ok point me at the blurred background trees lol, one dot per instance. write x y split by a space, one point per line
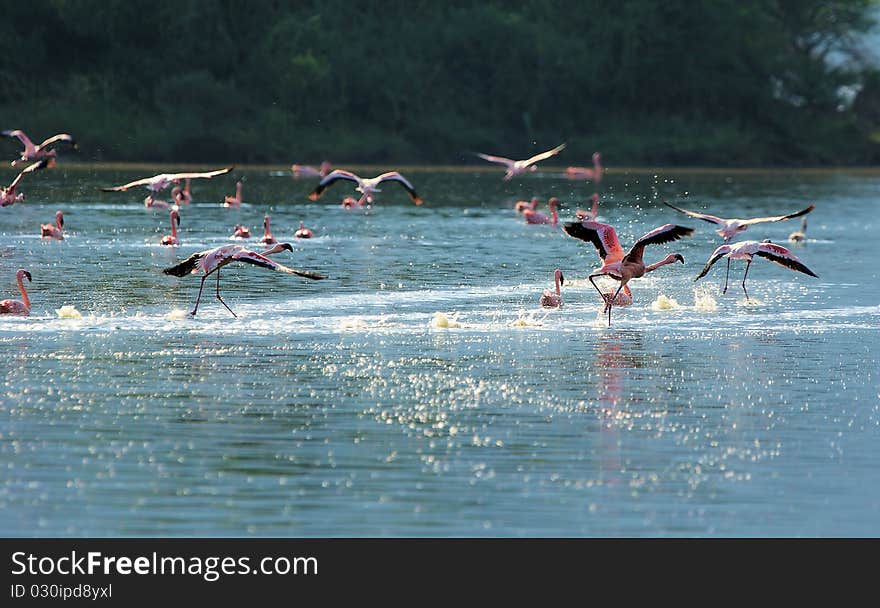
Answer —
697 82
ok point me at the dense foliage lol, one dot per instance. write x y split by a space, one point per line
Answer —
744 82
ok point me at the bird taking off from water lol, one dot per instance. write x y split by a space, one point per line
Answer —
622 267
212 260
518 167
8 195
730 227
746 250
35 152
367 186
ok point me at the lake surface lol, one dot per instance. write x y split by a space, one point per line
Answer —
421 390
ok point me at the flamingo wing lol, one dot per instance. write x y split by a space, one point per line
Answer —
778 218
40 164
138 182
187 266
202 175
331 178
29 146
66 137
782 256
394 176
663 234
544 155
496 159
602 236
252 257
719 253
700 216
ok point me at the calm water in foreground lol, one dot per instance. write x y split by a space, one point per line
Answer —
345 408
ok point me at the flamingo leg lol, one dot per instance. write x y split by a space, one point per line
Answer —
727 277
221 299
749 263
611 299
604 297
199 297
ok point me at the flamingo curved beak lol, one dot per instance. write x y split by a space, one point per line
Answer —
28 275
287 246
679 257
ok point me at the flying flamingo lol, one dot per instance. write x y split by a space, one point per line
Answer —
799 236
548 299
303 232
241 232
267 239
622 267
171 239
592 214
730 227
34 152
234 201
536 217
8 195
594 173
54 232
157 183
306 171
366 186
521 206
18 307
746 250
182 197
518 167
212 260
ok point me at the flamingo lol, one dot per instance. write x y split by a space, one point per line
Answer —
18 307
799 236
34 152
212 260
746 250
549 299
306 171
171 239
234 201
241 232
303 232
157 183
522 206
54 232
366 186
592 214
622 267
518 167
8 195
182 197
349 202
730 227
594 173
267 239
536 217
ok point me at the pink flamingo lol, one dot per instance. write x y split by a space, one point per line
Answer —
171 239
593 173
212 260
618 266
157 183
518 167
746 250
303 232
267 239
34 152
536 217
53 232
18 307
549 299
367 186
182 197
592 214
731 227
799 236
8 196
306 171
234 201
349 202
522 206
241 232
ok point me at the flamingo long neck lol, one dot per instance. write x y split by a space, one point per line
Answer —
58 222
669 259
186 187
24 296
554 217
238 190
266 228
595 210
558 290
173 228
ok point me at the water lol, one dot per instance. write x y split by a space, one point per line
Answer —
421 390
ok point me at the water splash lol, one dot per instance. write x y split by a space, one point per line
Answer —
177 314
664 303
704 300
68 312
442 321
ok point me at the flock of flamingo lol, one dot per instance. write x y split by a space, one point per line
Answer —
617 264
